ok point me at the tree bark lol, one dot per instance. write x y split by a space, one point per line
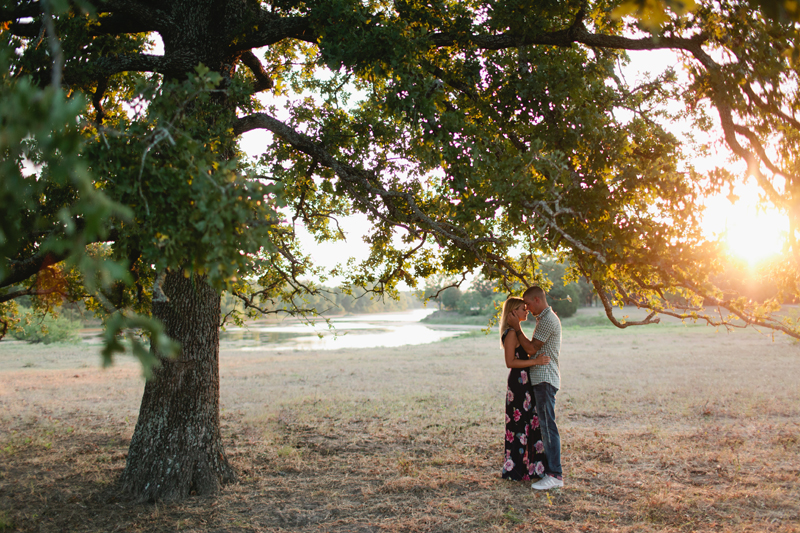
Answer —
176 449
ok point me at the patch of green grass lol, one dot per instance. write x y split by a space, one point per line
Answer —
286 451
512 516
474 333
454 318
6 524
587 321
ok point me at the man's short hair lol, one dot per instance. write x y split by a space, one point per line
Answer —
534 292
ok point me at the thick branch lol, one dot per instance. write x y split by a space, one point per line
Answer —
263 81
97 100
22 10
364 187
118 24
271 29
22 270
131 16
177 63
115 17
29 30
564 38
610 310
27 292
762 153
748 90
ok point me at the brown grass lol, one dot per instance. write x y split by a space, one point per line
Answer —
667 428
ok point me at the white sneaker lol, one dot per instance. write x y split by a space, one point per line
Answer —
547 483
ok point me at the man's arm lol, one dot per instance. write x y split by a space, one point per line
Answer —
530 346
509 347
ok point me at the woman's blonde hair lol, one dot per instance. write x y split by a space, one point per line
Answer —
509 306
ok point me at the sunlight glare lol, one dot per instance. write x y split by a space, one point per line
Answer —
750 232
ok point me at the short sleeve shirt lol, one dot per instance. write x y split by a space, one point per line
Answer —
548 330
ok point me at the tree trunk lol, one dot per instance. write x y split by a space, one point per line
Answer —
176 449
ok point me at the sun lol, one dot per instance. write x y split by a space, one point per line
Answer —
750 232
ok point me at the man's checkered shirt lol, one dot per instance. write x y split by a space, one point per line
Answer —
548 330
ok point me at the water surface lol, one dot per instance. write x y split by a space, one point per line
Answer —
352 331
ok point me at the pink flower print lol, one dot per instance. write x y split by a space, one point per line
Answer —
538 469
527 429
523 439
523 377
508 418
526 477
532 468
539 446
509 466
509 396
517 415
527 403
534 422
509 436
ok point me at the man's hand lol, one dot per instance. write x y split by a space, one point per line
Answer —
512 321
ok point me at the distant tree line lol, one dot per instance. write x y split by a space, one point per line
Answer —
334 301
483 297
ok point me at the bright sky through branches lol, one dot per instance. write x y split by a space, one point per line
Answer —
750 232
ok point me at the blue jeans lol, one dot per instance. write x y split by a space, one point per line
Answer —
545 395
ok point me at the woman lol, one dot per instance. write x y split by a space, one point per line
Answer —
524 448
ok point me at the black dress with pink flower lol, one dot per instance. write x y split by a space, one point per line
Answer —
524 448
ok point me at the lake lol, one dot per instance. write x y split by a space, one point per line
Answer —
352 331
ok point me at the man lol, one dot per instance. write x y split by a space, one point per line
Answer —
545 379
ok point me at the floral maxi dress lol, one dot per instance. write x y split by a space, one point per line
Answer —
524 447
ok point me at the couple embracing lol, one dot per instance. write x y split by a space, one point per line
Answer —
532 443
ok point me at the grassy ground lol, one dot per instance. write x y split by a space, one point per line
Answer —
665 428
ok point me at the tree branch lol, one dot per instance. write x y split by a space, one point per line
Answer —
577 33
28 292
29 30
762 153
22 10
718 96
365 188
22 270
132 16
263 81
748 90
97 100
270 29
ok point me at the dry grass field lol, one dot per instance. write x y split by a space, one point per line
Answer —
666 428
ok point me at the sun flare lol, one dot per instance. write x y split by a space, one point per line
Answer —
750 232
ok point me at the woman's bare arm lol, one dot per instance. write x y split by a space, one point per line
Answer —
509 347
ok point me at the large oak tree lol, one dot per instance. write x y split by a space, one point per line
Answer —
474 135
